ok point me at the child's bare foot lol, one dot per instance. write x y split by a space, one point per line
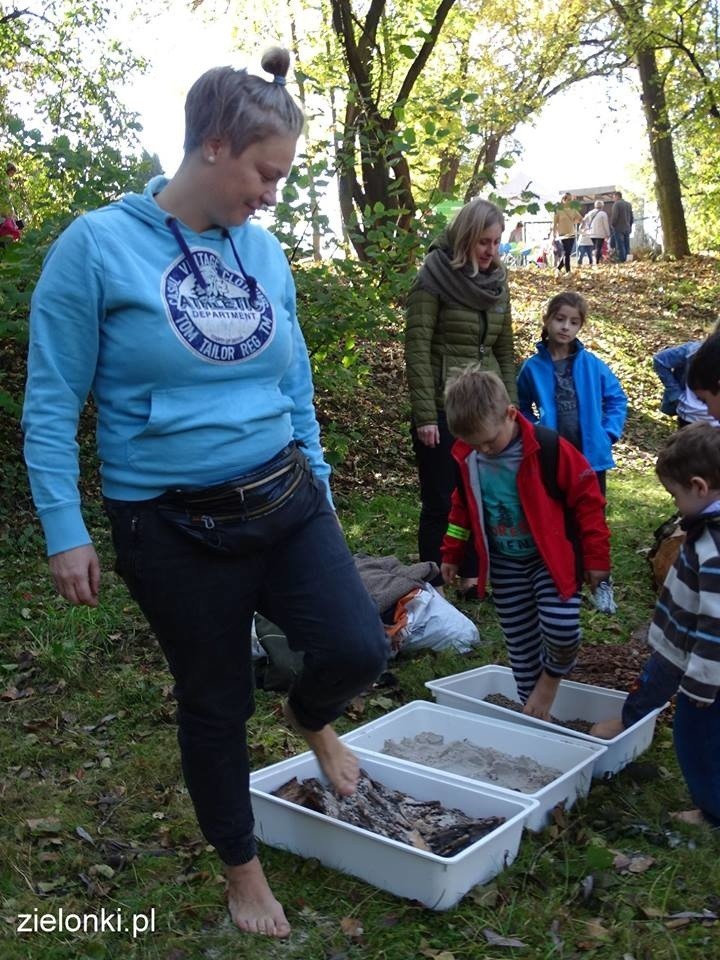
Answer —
252 906
541 699
607 729
339 764
695 817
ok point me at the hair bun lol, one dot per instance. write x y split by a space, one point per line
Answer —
276 61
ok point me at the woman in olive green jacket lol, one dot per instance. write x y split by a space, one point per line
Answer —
457 313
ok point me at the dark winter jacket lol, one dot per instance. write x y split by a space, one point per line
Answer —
441 338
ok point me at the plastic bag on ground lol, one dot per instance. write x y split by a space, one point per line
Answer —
433 623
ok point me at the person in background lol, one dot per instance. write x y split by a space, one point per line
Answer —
569 389
621 222
565 221
685 630
703 376
178 314
516 234
457 313
585 245
671 365
598 226
533 565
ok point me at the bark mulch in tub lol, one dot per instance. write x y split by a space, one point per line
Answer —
423 824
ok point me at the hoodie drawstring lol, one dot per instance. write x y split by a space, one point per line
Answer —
249 280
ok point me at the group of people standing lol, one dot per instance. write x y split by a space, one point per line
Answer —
178 314
512 483
593 232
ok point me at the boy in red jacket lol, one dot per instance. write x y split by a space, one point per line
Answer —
530 544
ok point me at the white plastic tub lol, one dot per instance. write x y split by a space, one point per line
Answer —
574 701
438 882
573 758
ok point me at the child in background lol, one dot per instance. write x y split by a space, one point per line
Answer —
519 531
704 374
570 390
585 244
685 631
671 365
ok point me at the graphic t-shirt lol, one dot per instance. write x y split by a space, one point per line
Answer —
568 425
505 522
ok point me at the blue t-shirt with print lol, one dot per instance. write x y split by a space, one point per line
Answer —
505 522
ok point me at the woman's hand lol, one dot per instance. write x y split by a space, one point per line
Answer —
429 435
76 574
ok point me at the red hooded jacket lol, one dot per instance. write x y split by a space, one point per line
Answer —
545 515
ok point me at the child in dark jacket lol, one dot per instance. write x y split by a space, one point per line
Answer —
685 630
520 532
569 389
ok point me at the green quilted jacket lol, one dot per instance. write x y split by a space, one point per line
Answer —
441 338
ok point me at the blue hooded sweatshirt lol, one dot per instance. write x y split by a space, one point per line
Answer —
189 344
601 401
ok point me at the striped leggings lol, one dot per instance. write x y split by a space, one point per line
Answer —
542 631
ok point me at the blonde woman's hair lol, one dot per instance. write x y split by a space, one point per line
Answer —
468 226
474 398
237 106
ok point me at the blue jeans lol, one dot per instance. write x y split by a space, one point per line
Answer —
585 250
199 596
622 245
696 731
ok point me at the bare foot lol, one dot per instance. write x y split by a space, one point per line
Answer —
541 699
607 729
252 906
339 764
694 817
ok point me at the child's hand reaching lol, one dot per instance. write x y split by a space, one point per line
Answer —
594 578
448 571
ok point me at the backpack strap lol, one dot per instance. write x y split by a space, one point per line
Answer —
549 457
549 446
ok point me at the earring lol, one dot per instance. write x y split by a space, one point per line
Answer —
211 159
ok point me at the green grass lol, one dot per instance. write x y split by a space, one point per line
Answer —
88 739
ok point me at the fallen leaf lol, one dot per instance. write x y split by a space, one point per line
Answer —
385 703
499 941
351 927
486 896
44 826
84 835
594 928
50 886
640 864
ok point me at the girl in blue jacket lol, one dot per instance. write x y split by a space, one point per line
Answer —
570 390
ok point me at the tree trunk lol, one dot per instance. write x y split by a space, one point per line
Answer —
667 181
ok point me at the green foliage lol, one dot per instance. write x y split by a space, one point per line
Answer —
69 135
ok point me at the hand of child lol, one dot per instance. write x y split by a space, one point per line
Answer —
594 578
448 571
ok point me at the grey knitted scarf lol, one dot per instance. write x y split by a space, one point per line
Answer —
458 286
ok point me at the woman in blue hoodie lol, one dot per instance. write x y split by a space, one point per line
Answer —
178 315
570 390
